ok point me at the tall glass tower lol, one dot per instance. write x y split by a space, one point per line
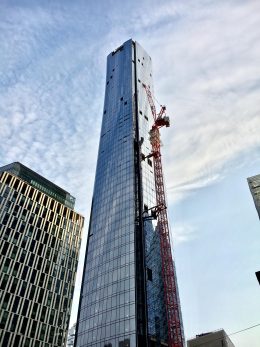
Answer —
122 301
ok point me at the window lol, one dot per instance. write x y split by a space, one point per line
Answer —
37 209
14 252
6 217
6 339
43 330
32 245
7 190
6 299
23 255
52 204
47 266
33 276
5 248
42 278
150 162
149 274
3 320
25 307
29 207
15 194
57 302
22 227
38 236
52 331
7 233
21 203
15 304
31 259
45 200
24 188
32 292
33 329
14 322
49 299
52 317
34 310
31 193
6 265
23 289
15 238
40 249
41 296
24 273
16 269
14 223
17 340
39 263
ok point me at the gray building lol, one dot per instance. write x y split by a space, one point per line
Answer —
40 236
254 186
217 338
122 300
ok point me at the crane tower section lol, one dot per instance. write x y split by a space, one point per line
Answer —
171 296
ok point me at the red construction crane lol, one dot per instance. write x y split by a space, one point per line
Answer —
173 309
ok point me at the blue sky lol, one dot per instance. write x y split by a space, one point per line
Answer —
206 70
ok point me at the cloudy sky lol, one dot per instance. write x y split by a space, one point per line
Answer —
206 58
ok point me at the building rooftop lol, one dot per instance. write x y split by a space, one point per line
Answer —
217 338
40 183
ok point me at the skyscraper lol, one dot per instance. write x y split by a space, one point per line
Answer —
123 296
39 245
254 186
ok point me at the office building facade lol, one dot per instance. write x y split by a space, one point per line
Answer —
122 296
217 338
254 186
40 236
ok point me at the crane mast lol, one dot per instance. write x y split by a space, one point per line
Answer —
173 309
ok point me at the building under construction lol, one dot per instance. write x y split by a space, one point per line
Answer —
129 295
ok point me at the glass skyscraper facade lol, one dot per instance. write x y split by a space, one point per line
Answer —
40 236
122 297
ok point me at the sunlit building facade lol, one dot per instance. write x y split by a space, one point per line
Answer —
71 336
40 236
254 186
218 338
122 300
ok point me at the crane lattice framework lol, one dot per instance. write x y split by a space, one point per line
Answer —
173 309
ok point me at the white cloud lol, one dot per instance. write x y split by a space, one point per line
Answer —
183 232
